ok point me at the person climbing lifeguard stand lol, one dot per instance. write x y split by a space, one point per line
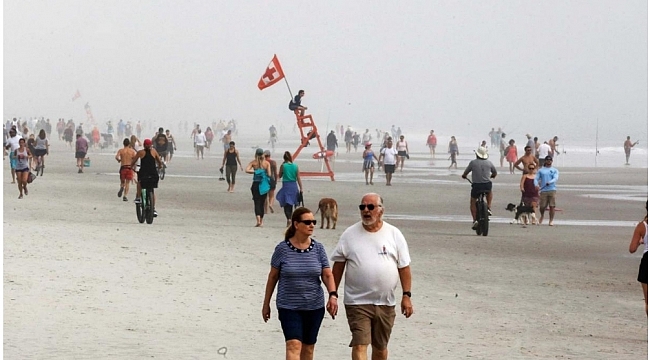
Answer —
309 131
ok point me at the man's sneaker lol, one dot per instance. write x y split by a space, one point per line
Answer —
475 225
137 201
155 213
119 193
489 212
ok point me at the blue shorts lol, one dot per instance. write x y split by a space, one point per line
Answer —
13 161
301 325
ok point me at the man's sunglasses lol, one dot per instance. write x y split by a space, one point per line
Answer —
308 222
370 207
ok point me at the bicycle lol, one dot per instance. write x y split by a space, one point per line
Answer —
144 209
482 214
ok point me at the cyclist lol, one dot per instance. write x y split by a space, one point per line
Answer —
161 143
41 148
148 174
482 171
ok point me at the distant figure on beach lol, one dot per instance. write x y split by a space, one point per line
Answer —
261 171
483 171
230 161
627 146
502 149
295 104
81 148
529 191
366 137
494 140
553 144
125 157
639 237
161 143
272 181
402 152
348 139
432 142
288 195
388 159
453 152
22 156
200 141
297 266
171 145
526 160
374 256
511 155
543 151
332 142
530 141
546 180
368 163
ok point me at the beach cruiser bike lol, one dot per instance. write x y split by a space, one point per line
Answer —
144 209
482 214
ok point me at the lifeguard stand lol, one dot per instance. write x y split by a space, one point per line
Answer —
309 131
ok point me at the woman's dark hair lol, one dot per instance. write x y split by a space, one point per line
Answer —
296 216
41 134
287 157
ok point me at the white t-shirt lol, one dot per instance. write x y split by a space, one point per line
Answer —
544 151
13 141
372 260
199 139
389 155
366 137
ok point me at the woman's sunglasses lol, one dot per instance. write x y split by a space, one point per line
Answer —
308 222
370 207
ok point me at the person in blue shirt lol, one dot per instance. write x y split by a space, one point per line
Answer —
545 181
295 104
299 267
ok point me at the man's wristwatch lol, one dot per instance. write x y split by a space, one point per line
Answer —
406 293
334 293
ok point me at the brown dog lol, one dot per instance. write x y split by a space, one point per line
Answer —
328 209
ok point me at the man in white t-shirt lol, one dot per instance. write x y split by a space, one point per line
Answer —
543 151
377 258
389 157
199 143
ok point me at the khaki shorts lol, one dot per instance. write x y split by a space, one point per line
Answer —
370 324
547 198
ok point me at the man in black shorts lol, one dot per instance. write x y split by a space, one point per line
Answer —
161 143
482 171
295 104
148 175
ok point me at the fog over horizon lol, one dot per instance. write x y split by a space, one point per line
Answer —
544 67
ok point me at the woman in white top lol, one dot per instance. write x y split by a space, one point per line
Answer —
402 148
200 141
639 237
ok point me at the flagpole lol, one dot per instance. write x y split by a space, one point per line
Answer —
285 80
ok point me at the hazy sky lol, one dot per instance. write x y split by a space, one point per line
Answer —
545 67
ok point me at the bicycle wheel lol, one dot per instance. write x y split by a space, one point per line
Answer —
484 222
161 173
148 207
139 210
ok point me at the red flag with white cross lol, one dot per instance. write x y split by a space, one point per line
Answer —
272 75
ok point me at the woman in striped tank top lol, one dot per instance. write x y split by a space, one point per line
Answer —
639 237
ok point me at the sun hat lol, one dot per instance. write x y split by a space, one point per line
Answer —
481 152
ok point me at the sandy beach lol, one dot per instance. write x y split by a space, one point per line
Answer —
84 280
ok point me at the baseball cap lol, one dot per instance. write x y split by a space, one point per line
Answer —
147 142
259 152
368 143
481 152
549 157
267 153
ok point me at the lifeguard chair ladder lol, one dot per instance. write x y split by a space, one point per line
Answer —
309 131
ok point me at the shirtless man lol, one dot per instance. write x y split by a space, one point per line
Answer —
553 145
527 159
125 157
627 146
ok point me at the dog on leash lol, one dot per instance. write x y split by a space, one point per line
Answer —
329 210
523 214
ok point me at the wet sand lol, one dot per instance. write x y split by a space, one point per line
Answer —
83 279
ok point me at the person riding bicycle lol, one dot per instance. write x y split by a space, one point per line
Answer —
161 143
148 175
482 171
